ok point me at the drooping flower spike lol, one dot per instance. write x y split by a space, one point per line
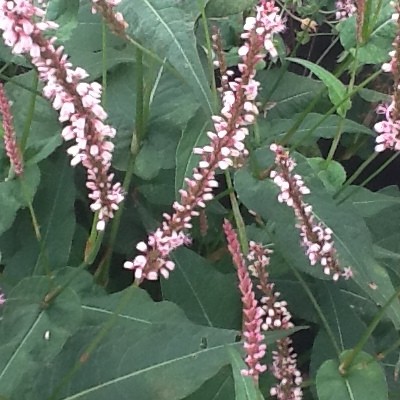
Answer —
77 102
10 139
388 129
226 147
316 238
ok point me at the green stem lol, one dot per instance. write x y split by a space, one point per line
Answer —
335 142
240 225
331 111
347 362
372 176
357 173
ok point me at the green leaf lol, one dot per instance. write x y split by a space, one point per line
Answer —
196 286
293 93
151 347
369 203
332 174
64 13
336 89
365 380
166 27
245 389
219 387
32 335
344 323
54 202
85 44
350 234
223 8
274 129
15 194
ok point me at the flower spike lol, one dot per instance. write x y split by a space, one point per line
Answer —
10 141
225 149
252 313
316 238
77 102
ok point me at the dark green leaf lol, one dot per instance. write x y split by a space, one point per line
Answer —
365 380
336 89
196 286
166 27
31 334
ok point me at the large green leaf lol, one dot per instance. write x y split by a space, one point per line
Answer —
196 286
336 89
350 234
31 334
166 28
365 380
150 346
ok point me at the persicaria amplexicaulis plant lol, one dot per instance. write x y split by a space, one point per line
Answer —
256 115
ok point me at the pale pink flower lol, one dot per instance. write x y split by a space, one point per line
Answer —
2 298
225 149
10 140
345 9
77 102
388 129
316 238
252 313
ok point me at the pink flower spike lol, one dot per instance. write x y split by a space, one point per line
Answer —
10 140
252 313
316 238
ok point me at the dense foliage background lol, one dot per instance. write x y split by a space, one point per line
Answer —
73 326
